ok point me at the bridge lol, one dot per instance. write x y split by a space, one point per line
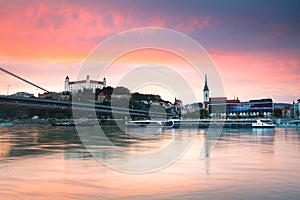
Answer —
68 105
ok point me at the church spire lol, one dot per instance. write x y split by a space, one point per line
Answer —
205 94
205 84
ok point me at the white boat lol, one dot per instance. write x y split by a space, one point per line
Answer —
6 124
146 123
262 124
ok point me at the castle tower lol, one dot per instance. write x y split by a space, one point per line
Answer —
205 94
104 82
67 83
87 82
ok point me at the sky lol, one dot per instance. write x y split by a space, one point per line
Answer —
255 44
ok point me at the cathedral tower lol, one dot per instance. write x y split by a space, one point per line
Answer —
205 94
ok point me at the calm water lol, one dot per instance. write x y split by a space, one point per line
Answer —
51 163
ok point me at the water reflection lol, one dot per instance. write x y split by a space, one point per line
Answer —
244 164
127 152
5 145
263 131
24 141
261 136
16 141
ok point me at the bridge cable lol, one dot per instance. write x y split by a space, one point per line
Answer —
22 79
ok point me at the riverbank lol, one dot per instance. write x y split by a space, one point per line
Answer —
280 122
59 122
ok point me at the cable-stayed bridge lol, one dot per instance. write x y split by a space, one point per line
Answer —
65 105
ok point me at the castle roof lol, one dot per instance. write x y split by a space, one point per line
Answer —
84 81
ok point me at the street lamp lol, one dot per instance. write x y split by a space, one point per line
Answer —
7 90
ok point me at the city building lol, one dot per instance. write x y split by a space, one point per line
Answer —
221 107
295 109
65 95
298 113
235 108
49 95
205 94
217 107
193 107
177 106
75 86
101 97
261 107
23 95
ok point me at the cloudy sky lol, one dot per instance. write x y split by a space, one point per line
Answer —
254 44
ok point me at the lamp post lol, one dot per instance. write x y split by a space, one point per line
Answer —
7 92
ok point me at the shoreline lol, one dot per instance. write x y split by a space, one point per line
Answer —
284 123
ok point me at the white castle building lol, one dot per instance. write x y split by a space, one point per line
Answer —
75 86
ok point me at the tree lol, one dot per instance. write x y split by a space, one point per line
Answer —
97 92
107 91
277 113
121 91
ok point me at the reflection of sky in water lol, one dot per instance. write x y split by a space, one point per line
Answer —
50 162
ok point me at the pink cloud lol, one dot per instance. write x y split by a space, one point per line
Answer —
45 28
41 32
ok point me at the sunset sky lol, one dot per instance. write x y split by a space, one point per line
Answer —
254 44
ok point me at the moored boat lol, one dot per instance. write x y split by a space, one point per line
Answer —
144 123
6 124
262 124
203 123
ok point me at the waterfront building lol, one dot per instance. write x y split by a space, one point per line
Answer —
217 107
205 94
177 102
261 107
101 97
235 108
193 107
221 106
75 86
49 95
295 109
65 95
178 107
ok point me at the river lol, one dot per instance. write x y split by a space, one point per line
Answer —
52 163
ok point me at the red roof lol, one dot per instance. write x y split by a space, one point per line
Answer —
74 82
233 101
98 82
218 99
178 101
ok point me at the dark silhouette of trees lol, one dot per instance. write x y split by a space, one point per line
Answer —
121 91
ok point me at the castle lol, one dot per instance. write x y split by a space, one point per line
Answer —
75 86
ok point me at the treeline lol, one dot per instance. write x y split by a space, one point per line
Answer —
107 94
